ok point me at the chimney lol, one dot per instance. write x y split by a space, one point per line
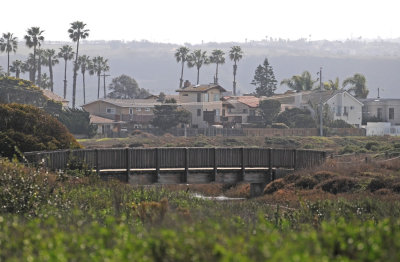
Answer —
186 84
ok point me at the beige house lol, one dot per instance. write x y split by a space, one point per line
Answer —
105 126
240 110
203 102
137 113
384 109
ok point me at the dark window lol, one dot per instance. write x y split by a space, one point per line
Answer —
391 113
198 97
244 111
345 112
198 112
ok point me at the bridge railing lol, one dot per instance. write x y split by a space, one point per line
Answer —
156 158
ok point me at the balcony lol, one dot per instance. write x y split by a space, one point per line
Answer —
254 119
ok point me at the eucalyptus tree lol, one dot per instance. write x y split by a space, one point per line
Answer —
235 54
50 60
303 82
34 38
84 63
358 85
196 59
181 55
66 53
76 32
8 43
96 68
17 67
217 57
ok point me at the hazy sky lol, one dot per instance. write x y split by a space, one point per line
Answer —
179 21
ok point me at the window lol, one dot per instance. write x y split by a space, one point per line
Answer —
217 112
147 109
110 110
198 97
352 107
338 111
345 112
131 111
216 97
252 112
138 109
206 98
198 112
245 111
379 113
391 113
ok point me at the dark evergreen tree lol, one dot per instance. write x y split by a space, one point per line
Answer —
269 110
264 80
167 116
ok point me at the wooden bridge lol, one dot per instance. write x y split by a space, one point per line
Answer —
184 165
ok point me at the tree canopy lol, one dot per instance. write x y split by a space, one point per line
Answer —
264 80
125 87
296 118
303 82
269 110
358 85
167 116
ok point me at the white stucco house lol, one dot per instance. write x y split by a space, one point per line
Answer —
345 107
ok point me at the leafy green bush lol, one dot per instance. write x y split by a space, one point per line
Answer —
371 144
28 128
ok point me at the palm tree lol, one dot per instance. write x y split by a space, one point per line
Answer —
358 85
67 54
29 64
96 68
50 60
33 39
41 58
217 57
105 68
45 81
330 85
77 32
197 58
8 43
181 55
235 54
303 82
17 67
85 63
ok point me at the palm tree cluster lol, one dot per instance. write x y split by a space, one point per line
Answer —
50 57
305 82
197 58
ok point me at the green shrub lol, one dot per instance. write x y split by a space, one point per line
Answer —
306 183
376 184
339 185
371 144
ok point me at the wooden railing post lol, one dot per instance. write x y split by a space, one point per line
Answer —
157 160
97 162
128 163
294 159
186 172
215 167
270 163
242 154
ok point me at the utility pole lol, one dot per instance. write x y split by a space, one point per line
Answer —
104 83
320 103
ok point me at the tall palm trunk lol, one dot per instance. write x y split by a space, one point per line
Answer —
8 63
181 80
216 75
234 78
98 85
84 89
51 74
65 79
39 78
198 74
32 72
104 84
75 75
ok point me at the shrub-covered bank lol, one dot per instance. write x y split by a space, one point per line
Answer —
76 217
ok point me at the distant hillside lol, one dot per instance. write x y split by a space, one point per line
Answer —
154 67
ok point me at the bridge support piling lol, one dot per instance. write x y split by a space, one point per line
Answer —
97 162
128 164
186 172
256 189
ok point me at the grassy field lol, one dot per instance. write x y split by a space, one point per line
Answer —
335 144
345 210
